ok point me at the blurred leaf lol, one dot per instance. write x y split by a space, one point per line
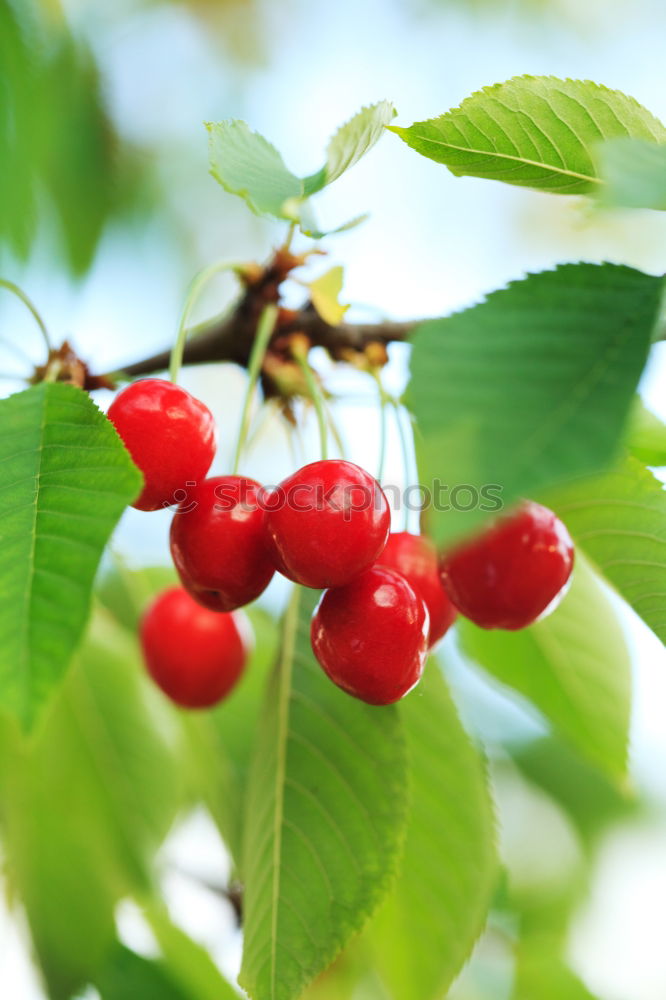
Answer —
619 519
530 387
574 666
246 164
541 974
350 143
430 923
326 810
219 742
634 173
84 806
587 795
189 966
325 294
68 478
646 435
533 131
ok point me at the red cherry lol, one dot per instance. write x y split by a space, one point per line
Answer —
194 655
170 435
218 543
371 636
327 523
415 558
514 573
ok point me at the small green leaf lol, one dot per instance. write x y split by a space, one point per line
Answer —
325 295
84 806
619 519
430 922
326 811
574 666
528 388
634 173
646 435
67 479
350 143
533 131
246 164
541 973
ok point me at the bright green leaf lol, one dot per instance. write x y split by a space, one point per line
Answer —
619 519
84 805
188 964
326 808
246 164
646 435
542 974
325 295
530 387
428 927
634 173
67 479
350 143
536 132
574 666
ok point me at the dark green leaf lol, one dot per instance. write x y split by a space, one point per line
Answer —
67 479
574 666
533 131
325 815
530 387
619 519
428 926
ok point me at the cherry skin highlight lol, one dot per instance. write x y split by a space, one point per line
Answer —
513 573
170 435
371 636
327 523
194 655
415 558
218 543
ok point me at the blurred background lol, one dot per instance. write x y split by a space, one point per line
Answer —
107 211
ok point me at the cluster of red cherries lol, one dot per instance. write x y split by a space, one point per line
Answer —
387 597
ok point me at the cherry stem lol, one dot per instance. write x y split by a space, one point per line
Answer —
317 397
194 290
406 456
384 400
335 431
20 294
265 328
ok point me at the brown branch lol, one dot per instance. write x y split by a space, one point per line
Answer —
230 339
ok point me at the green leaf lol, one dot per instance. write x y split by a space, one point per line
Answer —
325 814
246 164
67 479
428 927
543 974
536 132
84 805
127 974
530 387
188 965
619 519
574 666
350 143
646 435
634 173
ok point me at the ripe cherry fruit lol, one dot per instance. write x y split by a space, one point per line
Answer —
415 558
371 636
194 655
218 543
514 573
326 523
170 435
